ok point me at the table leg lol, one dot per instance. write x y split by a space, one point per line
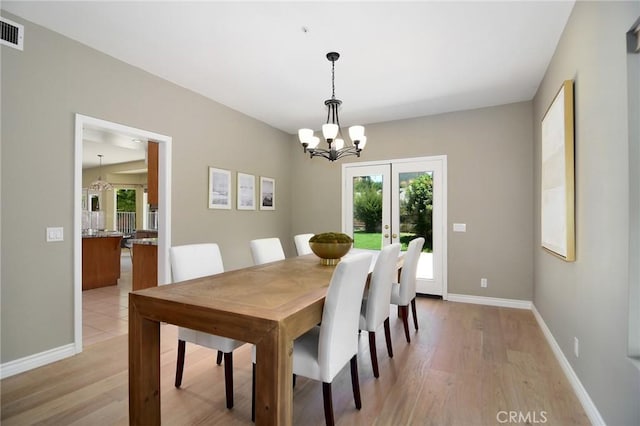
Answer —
274 369
144 369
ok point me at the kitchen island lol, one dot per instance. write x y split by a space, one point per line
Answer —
100 259
145 263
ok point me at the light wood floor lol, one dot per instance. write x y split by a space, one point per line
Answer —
105 310
466 364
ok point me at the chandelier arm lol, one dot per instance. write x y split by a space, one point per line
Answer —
321 153
347 152
333 155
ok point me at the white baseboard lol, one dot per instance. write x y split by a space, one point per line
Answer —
491 301
589 407
30 362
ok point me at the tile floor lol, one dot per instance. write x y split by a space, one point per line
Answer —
105 310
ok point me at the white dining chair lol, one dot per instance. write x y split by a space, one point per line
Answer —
302 244
376 303
404 293
322 352
195 261
265 250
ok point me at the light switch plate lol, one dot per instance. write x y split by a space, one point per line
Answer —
55 234
459 227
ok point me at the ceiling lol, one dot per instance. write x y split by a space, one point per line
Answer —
115 148
267 59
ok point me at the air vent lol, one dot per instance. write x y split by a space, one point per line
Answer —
12 33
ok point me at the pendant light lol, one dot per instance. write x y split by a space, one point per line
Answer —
331 131
100 185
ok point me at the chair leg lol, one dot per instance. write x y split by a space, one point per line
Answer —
387 336
219 358
228 378
413 311
355 382
180 363
328 404
404 314
253 393
374 356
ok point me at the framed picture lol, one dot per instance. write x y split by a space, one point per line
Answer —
219 189
557 176
246 192
267 193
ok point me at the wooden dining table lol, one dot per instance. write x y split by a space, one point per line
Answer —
268 305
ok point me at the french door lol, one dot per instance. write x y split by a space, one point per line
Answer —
395 202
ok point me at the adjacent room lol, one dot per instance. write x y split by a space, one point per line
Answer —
320 212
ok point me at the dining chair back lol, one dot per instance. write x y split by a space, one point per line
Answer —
302 244
322 352
195 261
265 250
376 304
338 339
404 293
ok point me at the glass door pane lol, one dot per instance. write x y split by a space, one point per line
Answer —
415 193
367 205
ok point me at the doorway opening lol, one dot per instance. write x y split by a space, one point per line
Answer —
84 125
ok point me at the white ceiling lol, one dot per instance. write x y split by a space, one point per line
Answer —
115 148
398 59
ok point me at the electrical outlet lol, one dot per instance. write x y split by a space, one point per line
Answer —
483 282
576 347
459 227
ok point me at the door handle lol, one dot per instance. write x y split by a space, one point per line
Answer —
386 235
386 227
394 235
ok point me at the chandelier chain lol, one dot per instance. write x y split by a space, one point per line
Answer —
333 79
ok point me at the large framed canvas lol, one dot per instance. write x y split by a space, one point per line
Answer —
219 189
246 191
267 193
557 176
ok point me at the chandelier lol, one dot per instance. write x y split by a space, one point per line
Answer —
331 130
100 185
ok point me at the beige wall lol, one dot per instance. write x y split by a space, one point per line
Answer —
43 88
490 177
588 299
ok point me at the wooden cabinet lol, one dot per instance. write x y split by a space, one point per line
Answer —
152 173
145 266
100 261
